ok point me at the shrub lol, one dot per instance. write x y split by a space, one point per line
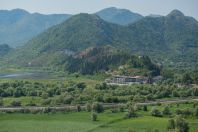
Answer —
114 110
178 124
166 111
131 112
88 107
145 108
93 116
121 109
68 99
46 102
26 111
185 112
35 111
45 95
156 112
178 111
46 110
1 102
31 104
97 107
196 113
171 124
181 125
78 108
15 103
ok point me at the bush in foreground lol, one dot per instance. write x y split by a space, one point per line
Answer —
93 116
97 107
178 124
156 112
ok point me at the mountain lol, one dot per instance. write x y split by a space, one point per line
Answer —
170 40
18 26
78 33
4 49
119 16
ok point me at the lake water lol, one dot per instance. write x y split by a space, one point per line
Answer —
27 75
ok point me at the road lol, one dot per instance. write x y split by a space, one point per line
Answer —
105 105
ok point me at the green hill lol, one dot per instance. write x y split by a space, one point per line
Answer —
107 58
171 39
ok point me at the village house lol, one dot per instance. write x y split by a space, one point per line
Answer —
126 80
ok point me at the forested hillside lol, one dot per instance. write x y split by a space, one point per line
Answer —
96 59
170 40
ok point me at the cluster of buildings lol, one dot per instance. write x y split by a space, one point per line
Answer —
129 80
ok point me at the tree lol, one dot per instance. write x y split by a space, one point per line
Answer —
16 103
1 102
131 112
166 111
196 113
78 108
45 95
97 107
76 75
81 86
46 110
178 124
181 125
195 92
186 79
88 107
93 116
171 124
145 108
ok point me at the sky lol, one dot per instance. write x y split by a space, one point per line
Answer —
144 7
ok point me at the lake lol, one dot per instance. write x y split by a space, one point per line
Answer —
27 75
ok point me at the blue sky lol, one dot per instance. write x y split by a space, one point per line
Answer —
144 7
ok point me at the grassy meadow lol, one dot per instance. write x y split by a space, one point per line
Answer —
81 122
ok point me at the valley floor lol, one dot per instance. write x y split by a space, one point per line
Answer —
80 122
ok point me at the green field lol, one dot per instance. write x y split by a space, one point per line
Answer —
81 122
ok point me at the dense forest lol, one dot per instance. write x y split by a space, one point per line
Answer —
96 59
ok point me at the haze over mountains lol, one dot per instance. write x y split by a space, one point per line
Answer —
119 16
18 26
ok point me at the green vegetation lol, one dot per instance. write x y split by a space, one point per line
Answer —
107 58
107 121
85 91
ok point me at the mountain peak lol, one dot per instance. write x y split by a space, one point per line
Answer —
175 13
115 10
83 17
118 16
21 11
